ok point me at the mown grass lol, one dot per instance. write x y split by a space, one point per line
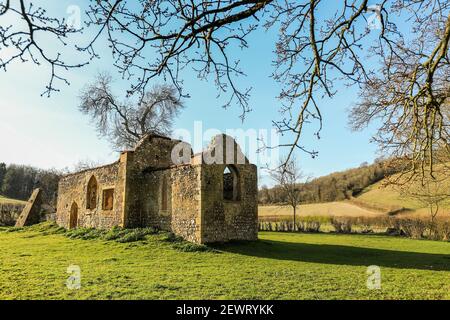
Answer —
34 261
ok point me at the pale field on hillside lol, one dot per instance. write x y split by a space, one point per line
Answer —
4 200
377 199
318 209
378 194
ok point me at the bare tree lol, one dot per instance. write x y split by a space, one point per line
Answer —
125 123
85 164
288 177
317 47
414 115
25 32
432 194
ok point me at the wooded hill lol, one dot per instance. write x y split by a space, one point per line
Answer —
336 186
19 181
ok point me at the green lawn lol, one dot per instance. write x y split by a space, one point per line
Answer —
33 265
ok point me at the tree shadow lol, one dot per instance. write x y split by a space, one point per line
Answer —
338 254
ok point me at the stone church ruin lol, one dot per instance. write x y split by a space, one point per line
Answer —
207 197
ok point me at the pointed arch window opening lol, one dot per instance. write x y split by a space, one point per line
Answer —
91 195
231 184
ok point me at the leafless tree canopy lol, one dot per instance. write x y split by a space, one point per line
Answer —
432 194
288 178
125 123
319 44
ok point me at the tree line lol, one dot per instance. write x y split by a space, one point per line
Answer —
19 181
333 187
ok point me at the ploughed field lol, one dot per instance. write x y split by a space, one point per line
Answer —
145 264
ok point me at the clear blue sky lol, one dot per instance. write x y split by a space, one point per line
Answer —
51 132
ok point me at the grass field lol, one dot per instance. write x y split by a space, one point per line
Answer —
342 208
33 265
4 200
389 197
376 199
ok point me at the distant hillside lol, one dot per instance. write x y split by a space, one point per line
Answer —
374 199
337 186
388 198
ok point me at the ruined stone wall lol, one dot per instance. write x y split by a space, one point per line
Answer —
224 220
73 189
186 202
153 152
149 199
151 190
144 180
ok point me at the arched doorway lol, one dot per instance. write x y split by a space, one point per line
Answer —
73 220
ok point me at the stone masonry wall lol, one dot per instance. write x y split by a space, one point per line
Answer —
73 189
144 171
186 204
224 220
151 197
151 190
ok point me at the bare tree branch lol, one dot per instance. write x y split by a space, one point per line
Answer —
125 123
317 47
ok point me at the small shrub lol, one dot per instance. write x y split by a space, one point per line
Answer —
185 246
367 224
12 229
170 237
46 228
133 235
413 228
313 226
299 226
85 233
443 230
342 224
178 243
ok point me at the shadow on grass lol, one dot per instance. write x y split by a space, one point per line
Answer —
338 254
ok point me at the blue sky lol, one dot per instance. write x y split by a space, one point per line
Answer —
52 133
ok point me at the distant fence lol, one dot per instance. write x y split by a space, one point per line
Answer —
9 213
412 227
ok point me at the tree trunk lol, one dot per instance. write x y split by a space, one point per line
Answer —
295 208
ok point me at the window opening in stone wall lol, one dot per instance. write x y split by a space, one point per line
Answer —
108 199
73 219
230 184
91 198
